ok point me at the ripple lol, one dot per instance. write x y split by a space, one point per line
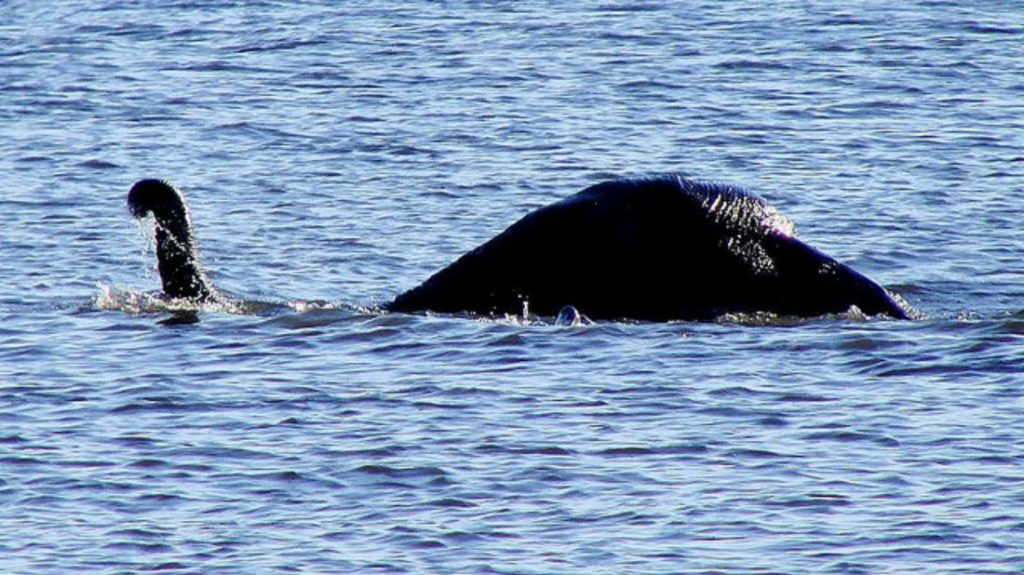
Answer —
844 436
745 64
449 502
95 164
402 472
138 547
342 154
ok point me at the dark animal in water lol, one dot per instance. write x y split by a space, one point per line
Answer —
177 258
658 249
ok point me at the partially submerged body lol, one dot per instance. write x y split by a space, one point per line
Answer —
655 249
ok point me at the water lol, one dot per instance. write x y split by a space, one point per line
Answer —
340 154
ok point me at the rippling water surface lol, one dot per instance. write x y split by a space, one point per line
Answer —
336 154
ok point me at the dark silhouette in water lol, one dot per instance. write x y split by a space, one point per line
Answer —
658 249
177 258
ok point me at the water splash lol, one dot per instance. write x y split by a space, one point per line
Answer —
137 302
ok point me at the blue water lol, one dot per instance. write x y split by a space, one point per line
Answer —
336 154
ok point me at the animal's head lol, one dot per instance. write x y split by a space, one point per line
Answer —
156 197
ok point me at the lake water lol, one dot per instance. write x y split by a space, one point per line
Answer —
339 153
